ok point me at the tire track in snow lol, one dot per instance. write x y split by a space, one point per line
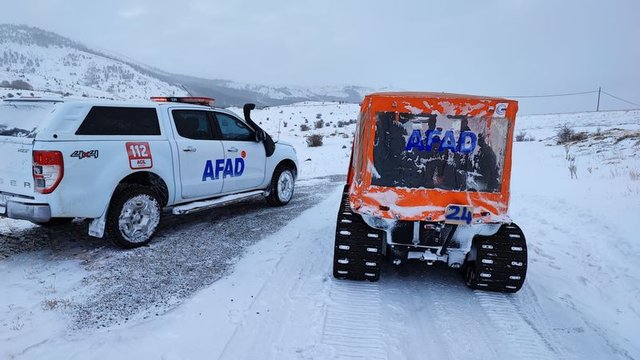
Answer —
352 323
455 325
523 340
438 315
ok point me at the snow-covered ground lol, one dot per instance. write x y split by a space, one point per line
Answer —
338 125
278 300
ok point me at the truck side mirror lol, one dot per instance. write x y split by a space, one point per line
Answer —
259 136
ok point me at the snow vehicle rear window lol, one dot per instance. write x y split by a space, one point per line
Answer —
436 151
111 120
22 118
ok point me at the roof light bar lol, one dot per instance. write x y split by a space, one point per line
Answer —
198 100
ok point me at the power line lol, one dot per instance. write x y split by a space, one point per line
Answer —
574 94
621 99
551 95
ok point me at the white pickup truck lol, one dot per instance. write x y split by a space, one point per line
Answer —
121 164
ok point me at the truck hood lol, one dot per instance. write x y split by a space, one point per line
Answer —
284 142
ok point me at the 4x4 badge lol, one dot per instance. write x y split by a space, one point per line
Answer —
85 154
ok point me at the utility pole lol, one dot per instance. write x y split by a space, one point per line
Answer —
599 91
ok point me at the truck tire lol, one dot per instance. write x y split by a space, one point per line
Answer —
134 215
282 187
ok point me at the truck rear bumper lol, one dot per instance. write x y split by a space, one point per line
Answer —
38 213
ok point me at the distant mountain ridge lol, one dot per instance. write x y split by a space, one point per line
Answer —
50 63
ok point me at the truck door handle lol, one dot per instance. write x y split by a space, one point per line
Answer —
190 149
232 149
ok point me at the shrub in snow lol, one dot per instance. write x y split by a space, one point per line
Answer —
314 140
566 135
304 127
318 116
16 84
284 124
522 136
626 136
345 123
580 136
319 124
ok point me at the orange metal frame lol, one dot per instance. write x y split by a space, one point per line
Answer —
424 204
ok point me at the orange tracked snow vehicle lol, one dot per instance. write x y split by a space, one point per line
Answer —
429 180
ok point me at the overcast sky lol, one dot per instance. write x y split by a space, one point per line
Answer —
490 47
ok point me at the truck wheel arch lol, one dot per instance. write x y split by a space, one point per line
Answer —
150 179
288 164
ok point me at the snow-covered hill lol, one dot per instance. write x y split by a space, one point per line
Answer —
255 283
33 59
44 63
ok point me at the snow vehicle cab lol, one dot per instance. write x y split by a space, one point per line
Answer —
429 180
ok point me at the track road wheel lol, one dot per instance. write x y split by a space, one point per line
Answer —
282 187
358 247
134 215
501 261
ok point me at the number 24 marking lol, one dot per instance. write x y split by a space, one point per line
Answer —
459 213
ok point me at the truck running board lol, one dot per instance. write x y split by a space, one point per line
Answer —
209 204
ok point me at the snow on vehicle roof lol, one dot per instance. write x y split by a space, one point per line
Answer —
437 95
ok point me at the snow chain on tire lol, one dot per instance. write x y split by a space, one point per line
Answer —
501 261
357 253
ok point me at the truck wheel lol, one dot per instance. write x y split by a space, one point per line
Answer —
281 188
134 215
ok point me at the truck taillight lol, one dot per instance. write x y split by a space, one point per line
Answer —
48 169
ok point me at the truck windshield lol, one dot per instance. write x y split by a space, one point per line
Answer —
22 118
436 151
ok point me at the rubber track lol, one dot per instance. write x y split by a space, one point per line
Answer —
358 247
501 261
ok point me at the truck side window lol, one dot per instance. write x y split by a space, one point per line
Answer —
193 124
233 129
113 120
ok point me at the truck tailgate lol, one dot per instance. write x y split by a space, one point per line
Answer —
20 120
16 173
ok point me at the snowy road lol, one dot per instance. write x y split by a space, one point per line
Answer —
100 285
279 300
